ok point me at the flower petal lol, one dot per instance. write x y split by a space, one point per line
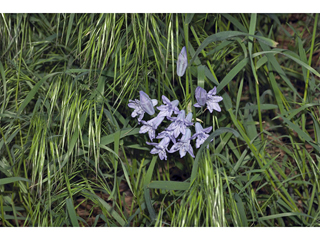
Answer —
164 142
201 96
162 155
198 127
213 91
186 136
154 102
146 103
144 129
151 134
165 99
175 103
134 114
182 152
207 130
190 151
175 147
157 121
132 104
176 132
152 143
216 98
154 151
198 143
189 117
213 106
162 108
140 117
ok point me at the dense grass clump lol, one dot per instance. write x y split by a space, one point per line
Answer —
71 154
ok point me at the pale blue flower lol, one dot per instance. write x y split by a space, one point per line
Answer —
135 104
182 62
167 133
201 134
144 105
160 148
210 99
180 123
168 108
151 126
183 145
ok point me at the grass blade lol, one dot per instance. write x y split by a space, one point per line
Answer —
12 179
72 213
169 185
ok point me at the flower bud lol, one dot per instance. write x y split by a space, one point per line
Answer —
182 62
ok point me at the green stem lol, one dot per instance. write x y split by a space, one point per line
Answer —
186 38
310 56
303 117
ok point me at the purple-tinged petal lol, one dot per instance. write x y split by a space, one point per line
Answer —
132 104
186 136
169 107
134 114
213 106
151 126
162 155
157 121
198 143
200 134
152 143
165 99
190 151
180 123
198 127
146 103
175 103
154 151
183 145
168 134
215 98
137 109
207 130
164 142
160 148
196 105
213 91
201 96
189 117
140 117
175 147
154 102
180 116
176 132
212 101
188 120
194 136
162 108
183 130
182 152
144 129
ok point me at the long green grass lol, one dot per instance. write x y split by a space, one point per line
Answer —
71 155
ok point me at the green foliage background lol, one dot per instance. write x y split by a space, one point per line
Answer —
71 155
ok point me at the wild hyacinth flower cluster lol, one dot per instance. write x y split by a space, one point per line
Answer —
180 124
178 132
